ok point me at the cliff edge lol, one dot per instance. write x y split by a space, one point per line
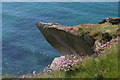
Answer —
80 39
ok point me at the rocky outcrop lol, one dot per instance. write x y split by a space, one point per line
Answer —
67 40
80 39
56 62
113 21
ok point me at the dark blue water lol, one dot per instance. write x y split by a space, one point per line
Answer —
24 47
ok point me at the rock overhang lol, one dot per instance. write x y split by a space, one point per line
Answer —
65 39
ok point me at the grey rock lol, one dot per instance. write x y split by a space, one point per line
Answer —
113 21
56 62
66 42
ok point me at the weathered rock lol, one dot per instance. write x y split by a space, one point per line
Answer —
67 40
118 31
105 37
113 21
79 39
56 62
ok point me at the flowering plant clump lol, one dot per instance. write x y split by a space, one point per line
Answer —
68 62
110 44
31 75
47 69
28 75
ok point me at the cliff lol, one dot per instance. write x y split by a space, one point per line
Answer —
80 39
66 40
100 41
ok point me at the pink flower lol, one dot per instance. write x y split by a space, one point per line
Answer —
65 70
59 68
108 42
70 28
76 61
68 66
70 61
34 72
23 76
68 69
102 51
73 64
74 57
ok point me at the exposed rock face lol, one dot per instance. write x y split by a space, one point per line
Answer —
56 60
67 40
105 37
118 32
79 39
113 21
84 39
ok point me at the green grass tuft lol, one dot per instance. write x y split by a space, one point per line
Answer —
103 66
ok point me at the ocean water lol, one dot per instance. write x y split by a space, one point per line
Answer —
24 48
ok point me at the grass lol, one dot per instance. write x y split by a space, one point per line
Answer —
101 27
103 66
97 29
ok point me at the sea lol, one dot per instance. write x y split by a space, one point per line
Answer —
24 48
